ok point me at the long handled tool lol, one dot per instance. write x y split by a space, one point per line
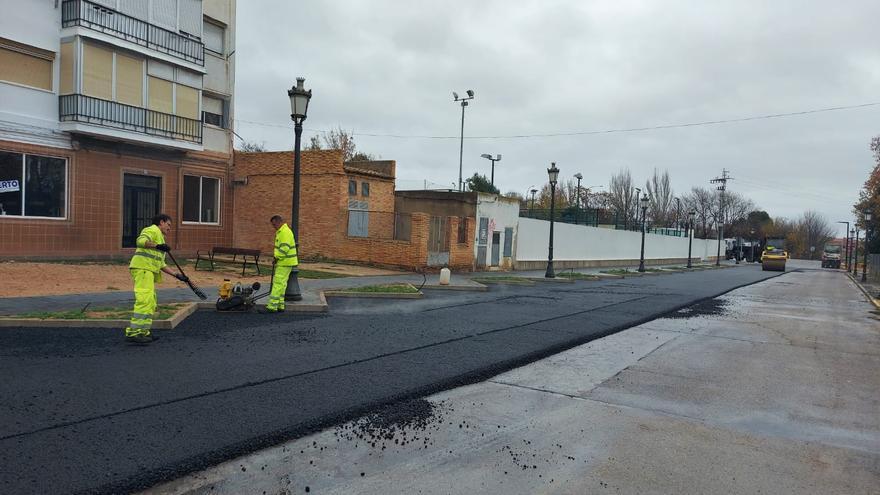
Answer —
199 292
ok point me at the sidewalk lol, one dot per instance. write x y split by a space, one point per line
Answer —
311 289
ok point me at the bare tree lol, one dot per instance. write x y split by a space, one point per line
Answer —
622 198
523 203
701 201
659 198
813 231
252 146
339 139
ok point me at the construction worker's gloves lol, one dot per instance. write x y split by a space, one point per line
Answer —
182 277
164 248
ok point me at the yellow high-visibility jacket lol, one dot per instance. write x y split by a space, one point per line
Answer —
285 247
145 258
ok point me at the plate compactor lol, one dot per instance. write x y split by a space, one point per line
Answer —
236 297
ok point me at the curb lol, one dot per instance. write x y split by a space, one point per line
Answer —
168 324
556 280
476 288
868 296
376 295
528 281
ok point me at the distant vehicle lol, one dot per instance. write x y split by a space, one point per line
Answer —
831 256
774 255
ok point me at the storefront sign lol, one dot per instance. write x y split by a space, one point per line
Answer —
9 186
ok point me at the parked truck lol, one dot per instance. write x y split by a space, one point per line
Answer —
831 256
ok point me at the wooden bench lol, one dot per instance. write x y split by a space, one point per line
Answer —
225 253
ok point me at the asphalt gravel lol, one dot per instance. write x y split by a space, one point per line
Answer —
84 413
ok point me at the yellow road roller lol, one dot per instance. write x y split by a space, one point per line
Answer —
774 255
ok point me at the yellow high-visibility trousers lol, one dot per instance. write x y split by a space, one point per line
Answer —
279 285
145 302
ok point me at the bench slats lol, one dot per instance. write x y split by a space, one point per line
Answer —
234 252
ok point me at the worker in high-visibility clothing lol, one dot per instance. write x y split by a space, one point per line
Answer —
285 260
146 267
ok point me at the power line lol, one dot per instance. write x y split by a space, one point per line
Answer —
594 132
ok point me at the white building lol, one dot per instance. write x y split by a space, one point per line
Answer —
112 111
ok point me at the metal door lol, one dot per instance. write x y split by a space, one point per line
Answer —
496 248
141 197
482 240
438 241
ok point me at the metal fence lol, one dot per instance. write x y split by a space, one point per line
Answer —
596 217
873 273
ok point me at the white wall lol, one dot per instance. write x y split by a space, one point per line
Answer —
502 213
582 243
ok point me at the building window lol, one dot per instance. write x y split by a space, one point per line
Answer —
33 185
462 230
67 69
365 189
25 65
201 199
352 188
212 111
101 68
213 37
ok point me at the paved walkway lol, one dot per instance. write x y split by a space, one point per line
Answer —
310 288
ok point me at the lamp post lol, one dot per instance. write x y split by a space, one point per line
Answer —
532 210
299 106
577 203
644 202
496 159
846 244
751 245
464 103
677 214
638 193
553 173
691 216
855 256
868 234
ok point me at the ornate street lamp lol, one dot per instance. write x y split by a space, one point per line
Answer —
644 202
497 158
299 106
868 234
553 173
464 103
692 215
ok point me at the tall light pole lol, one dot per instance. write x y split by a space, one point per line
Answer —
846 244
553 174
644 202
464 103
855 269
638 194
577 203
677 214
751 245
691 216
723 187
532 210
868 235
496 159
299 105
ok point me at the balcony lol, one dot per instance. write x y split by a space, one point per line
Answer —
88 110
102 19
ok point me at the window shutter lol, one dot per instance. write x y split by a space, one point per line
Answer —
139 9
164 13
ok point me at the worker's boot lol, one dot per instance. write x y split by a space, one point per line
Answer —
141 339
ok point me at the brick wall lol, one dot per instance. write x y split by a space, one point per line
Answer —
93 227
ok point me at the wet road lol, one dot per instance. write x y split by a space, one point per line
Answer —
767 389
82 412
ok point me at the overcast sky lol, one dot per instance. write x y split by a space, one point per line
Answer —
544 67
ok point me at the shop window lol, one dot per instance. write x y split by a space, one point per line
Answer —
33 185
201 199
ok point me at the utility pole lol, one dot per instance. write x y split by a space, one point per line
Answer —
722 181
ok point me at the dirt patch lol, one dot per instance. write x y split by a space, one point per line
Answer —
76 277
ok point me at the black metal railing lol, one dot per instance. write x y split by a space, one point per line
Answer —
595 217
99 18
82 108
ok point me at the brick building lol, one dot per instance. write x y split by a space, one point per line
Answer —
347 212
112 111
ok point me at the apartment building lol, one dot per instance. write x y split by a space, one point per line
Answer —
110 112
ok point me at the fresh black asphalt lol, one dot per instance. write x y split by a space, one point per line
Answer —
84 413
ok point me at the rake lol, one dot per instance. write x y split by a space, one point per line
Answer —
195 288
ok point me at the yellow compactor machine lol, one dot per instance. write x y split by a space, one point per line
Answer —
774 255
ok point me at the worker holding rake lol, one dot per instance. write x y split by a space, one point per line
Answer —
147 265
285 261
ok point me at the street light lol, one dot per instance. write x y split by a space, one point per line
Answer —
553 173
464 103
856 252
531 211
496 159
638 193
692 215
299 106
751 245
868 233
644 202
846 244
577 205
